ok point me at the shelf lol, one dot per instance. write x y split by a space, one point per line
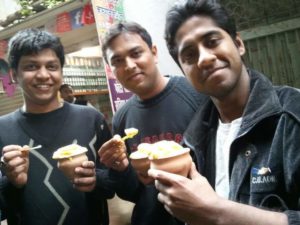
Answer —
98 92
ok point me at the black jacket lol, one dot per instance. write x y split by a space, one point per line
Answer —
268 138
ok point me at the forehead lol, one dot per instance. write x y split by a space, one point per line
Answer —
195 27
44 55
123 43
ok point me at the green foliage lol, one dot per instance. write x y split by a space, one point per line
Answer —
51 3
28 9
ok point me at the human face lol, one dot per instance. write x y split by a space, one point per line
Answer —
209 57
67 94
134 63
40 77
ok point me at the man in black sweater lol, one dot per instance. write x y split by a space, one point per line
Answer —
160 109
34 190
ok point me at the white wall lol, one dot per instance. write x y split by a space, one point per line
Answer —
151 15
8 7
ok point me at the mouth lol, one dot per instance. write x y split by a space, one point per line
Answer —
135 76
43 87
211 71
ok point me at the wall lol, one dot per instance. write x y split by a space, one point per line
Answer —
151 15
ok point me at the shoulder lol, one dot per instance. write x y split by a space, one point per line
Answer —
122 112
8 118
289 98
83 111
127 107
187 92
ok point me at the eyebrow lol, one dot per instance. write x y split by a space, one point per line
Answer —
188 43
115 56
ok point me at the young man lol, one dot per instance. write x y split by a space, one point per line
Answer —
161 108
67 93
35 191
245 138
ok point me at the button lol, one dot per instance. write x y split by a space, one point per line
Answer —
247 153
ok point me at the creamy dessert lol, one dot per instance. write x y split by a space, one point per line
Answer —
69 157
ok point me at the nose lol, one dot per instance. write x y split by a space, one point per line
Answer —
130 63
206 57
43 73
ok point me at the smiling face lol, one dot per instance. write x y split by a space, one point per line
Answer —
209 57
40 77
134 64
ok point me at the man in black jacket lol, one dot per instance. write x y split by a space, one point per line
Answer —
245 138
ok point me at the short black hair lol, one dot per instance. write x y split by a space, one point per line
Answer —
63 86
124 27
31 41
181 12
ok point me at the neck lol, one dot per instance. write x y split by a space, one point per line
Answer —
158 87
233 105
36 108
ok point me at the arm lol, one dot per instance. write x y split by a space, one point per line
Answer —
195 202
121 177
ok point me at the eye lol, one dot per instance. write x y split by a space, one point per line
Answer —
136 53
212 42
116 62
53 67
189 55
30 67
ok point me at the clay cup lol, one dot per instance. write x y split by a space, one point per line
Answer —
178 162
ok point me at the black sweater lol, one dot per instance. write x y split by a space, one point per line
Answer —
48 197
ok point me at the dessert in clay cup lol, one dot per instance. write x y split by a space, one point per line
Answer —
163 155
171 157
140 159
69 157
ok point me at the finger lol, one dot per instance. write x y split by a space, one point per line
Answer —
164 199
112 158
84 181
121 157
168 210
9 148
106 147
164 177
88 164
15 162
161 187
9 155
193 174
84 172
112 155
14 171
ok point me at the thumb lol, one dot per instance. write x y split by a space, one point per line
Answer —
193 174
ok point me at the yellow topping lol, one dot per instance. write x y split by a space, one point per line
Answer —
157 150
68 151
130 133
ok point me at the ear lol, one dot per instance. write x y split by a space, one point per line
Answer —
154 52
240 44
13 76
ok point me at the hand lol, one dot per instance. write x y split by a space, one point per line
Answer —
16 164
85 177
113 154
191 200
